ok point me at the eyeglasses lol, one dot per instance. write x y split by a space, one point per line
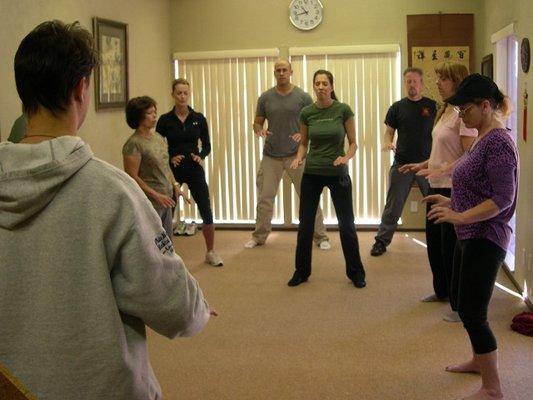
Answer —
462 111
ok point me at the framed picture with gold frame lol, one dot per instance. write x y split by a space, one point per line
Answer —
111 76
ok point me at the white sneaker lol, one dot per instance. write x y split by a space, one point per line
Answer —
452 317
251 244
324 245
179 230
191 229
213 258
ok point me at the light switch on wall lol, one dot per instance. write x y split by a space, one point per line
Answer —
414 206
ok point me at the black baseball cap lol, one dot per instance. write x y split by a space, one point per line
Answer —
474 87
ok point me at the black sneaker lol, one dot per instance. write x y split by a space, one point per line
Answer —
296 279
378 249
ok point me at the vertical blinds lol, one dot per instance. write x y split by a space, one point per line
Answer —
225 88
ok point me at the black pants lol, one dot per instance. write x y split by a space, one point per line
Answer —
440 239
194 177
476 265
341 194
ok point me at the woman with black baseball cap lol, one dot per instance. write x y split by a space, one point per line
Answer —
483 200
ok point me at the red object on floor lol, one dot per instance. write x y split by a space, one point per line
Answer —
523 323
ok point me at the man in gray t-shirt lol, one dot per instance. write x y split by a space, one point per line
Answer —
281 106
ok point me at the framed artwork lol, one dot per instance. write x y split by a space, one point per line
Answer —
427 58
111 77
486 66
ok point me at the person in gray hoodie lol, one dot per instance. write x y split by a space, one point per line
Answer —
85 262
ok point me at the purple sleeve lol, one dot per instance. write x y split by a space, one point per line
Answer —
501 168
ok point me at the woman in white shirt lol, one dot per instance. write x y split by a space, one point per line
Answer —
451 139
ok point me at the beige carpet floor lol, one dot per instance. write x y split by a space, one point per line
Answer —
325 339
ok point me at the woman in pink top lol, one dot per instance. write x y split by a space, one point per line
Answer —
451 138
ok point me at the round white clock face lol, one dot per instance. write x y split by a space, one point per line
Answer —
305 14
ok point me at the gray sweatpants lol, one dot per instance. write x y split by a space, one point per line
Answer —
399 187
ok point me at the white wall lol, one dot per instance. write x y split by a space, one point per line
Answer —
497 14
240 24
150 68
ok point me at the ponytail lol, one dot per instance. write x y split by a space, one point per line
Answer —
503 105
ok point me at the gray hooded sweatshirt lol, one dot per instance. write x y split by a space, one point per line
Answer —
84 265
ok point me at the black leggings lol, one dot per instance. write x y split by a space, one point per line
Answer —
440 239
476 264
340 188
199 191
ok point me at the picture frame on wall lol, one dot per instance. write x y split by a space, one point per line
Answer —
111 76
487 66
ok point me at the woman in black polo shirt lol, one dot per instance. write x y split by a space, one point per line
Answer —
183 127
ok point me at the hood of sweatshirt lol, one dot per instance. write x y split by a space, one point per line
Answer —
32 174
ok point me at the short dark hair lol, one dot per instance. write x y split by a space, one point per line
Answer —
136 108
49 63
415 70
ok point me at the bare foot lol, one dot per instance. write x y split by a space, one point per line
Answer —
471 366
484 394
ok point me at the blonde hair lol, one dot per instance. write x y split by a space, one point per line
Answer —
456 73
505 107
179 81
500 103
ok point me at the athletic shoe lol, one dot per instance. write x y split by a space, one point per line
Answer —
179 230
359 283
452 317
251 244
296 279
191 229
378 249
324 245
432 298
214 259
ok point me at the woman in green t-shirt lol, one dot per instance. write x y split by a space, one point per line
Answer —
323 128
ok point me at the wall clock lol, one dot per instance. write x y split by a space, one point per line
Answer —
524 54
306 14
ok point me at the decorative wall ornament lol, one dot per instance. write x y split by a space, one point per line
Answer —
524 55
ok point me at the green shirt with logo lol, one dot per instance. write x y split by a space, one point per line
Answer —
326 133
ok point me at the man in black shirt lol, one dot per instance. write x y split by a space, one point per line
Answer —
413 118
